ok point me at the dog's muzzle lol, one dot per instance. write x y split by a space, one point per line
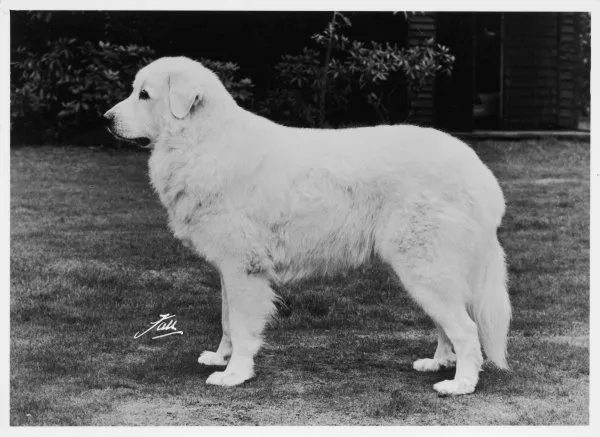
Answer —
109 123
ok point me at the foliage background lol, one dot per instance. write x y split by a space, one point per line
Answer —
68 67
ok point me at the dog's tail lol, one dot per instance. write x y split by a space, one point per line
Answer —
491 306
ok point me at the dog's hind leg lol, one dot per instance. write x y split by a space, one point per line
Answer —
443 356
221 356
442 298
432 257
250 304
443 303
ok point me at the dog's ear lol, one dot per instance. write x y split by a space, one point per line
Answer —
184 94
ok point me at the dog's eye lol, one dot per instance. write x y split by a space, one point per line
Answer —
144 95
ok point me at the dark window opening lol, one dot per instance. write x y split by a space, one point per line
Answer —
487 90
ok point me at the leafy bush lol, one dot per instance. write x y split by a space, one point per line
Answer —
240 89
296 95
308 88
71 84
67 88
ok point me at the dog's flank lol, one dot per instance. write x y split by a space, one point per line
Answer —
266 203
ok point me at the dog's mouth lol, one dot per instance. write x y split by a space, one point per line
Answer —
139 141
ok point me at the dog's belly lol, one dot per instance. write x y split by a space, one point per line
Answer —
301 255
324 238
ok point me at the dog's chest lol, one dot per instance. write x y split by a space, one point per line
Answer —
179 186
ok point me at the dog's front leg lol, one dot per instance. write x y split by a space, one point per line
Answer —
250 303
221 356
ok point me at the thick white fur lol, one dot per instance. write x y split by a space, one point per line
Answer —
266 203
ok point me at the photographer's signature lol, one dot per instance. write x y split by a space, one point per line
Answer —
166 322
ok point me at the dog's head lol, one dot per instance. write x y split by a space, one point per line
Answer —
168 92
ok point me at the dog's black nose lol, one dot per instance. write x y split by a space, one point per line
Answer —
108 119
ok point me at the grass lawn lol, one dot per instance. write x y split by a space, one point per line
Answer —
92 263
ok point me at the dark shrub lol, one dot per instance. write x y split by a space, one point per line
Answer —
62 92
240 89
338 71
67 88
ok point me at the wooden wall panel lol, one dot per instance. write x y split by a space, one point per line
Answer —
540 55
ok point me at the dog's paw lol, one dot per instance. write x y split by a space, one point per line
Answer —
212 359
426 365
454 387
227 379
434 364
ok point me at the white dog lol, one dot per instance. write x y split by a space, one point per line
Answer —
266 203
